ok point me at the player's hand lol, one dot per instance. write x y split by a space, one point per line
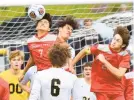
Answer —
101 58
72 70
21 77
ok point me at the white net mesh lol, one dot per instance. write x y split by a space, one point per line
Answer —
16 27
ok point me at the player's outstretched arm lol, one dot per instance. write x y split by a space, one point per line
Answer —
117 72
81 54
30 63
23 83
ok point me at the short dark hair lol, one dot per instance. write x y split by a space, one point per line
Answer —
86 20
124 33
58 54
68 20
47 16
87 64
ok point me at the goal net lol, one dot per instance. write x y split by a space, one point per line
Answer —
16 27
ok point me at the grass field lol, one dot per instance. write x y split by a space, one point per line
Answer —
79 11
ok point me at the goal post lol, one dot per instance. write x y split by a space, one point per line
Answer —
59 2
16 27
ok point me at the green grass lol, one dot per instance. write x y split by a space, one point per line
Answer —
79 11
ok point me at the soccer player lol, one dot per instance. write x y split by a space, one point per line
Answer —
109 66
65 28
54 83
4 90
39 44
11 75
81 89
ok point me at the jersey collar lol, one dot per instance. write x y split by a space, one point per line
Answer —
36 35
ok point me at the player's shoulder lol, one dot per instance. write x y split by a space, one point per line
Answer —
71 48
31 39
129 75
70 75
5 72
80 81
50 37
33 68
103 47
124 53
43 73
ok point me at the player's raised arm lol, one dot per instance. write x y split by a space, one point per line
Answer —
81 54
23 83
117 72
30 63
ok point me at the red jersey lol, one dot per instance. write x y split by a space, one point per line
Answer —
128 85
39 50
102 79
4 90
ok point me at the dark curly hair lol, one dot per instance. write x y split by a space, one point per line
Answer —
59 54
47 16
70 20
124 33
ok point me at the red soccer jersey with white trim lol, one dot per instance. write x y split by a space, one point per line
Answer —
102 79
39 50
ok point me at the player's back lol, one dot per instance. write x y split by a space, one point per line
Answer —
55 84
81 90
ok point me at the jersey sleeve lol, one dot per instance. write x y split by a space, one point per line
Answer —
35 92
6 93
94 49
26 78
125 63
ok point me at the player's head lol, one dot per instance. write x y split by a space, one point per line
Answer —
87 70
66 26
16 59
87 23
120 39
59 55
45 23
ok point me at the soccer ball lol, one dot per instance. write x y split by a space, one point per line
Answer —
36 12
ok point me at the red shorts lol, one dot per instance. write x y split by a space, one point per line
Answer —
109 96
